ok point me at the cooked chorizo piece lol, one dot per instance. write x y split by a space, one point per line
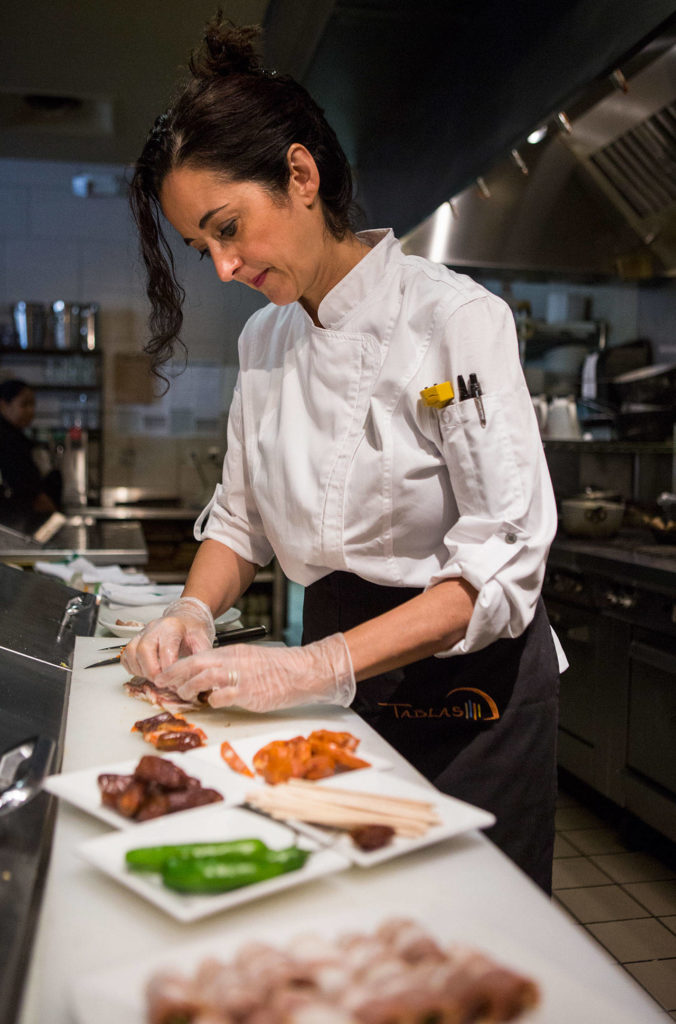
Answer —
112 786
157 769
156 722
186 739
128 802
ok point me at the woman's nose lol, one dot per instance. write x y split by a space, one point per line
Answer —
226 265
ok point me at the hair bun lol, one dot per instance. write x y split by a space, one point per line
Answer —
226 49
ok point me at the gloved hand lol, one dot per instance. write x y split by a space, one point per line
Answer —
260 678
186 626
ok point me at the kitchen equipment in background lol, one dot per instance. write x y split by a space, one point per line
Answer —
89 315
60 325
600 368
30 323
23 770
566 307
639 421
73 325
541 408
663 525
562 421
562 366
64 324
591 517
653 385
647 402
75 468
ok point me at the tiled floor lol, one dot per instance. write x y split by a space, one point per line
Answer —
617 880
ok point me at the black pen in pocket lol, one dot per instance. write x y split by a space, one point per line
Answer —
475 392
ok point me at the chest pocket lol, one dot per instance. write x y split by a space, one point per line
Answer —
483 462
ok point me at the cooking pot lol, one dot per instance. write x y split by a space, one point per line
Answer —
591 517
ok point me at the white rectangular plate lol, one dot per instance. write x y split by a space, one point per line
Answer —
247 746
208 824
455 816
81 789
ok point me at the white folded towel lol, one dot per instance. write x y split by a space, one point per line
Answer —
161 593
91 573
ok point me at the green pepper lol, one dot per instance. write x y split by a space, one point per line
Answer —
219 874
152 858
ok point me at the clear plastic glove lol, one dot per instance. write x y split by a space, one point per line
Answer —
259 678
185 627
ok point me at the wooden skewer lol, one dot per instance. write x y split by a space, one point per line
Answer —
347 797
351 794
321 807
347 821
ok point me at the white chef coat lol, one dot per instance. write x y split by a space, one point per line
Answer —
334 462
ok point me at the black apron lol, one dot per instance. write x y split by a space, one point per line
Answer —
481 727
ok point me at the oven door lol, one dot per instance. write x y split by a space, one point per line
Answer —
651 737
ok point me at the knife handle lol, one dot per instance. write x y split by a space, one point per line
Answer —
239 636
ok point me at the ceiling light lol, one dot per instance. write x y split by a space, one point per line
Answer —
538 135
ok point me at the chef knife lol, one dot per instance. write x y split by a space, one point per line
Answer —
223 637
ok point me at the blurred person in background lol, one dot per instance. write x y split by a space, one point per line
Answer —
26 489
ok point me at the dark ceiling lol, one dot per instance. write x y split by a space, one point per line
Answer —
424 94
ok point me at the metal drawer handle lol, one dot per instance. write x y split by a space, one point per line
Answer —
22 771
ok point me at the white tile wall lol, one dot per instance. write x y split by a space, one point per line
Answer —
54 245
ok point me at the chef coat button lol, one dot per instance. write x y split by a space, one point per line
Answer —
510 538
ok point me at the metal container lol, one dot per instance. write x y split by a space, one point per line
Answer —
73 325
30 322
64 325
89 326
588 517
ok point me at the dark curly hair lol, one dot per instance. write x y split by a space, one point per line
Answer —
238 119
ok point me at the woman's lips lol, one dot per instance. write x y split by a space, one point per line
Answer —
258 281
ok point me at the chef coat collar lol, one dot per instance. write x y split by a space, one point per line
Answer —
360 282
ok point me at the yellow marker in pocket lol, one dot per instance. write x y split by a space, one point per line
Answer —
439 395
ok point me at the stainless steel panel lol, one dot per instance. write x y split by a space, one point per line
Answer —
103 543
40 618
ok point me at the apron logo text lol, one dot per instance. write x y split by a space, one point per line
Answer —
472 706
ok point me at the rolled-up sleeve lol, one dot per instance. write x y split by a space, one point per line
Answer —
232 516
499 477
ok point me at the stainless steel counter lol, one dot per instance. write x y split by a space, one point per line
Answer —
142 512
39 620
102 542
633 556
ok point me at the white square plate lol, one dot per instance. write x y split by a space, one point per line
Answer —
81 787
455 816
247 746
208 824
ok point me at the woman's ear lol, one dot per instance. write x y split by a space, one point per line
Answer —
303 173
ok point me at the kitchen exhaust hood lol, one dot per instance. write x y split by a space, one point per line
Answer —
597 196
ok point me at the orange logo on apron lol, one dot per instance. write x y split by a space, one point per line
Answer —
480 707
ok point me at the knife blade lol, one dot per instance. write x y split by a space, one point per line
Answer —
223 637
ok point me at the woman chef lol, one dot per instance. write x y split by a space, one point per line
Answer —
420 531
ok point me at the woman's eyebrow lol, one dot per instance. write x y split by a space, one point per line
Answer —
207 216
210 214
